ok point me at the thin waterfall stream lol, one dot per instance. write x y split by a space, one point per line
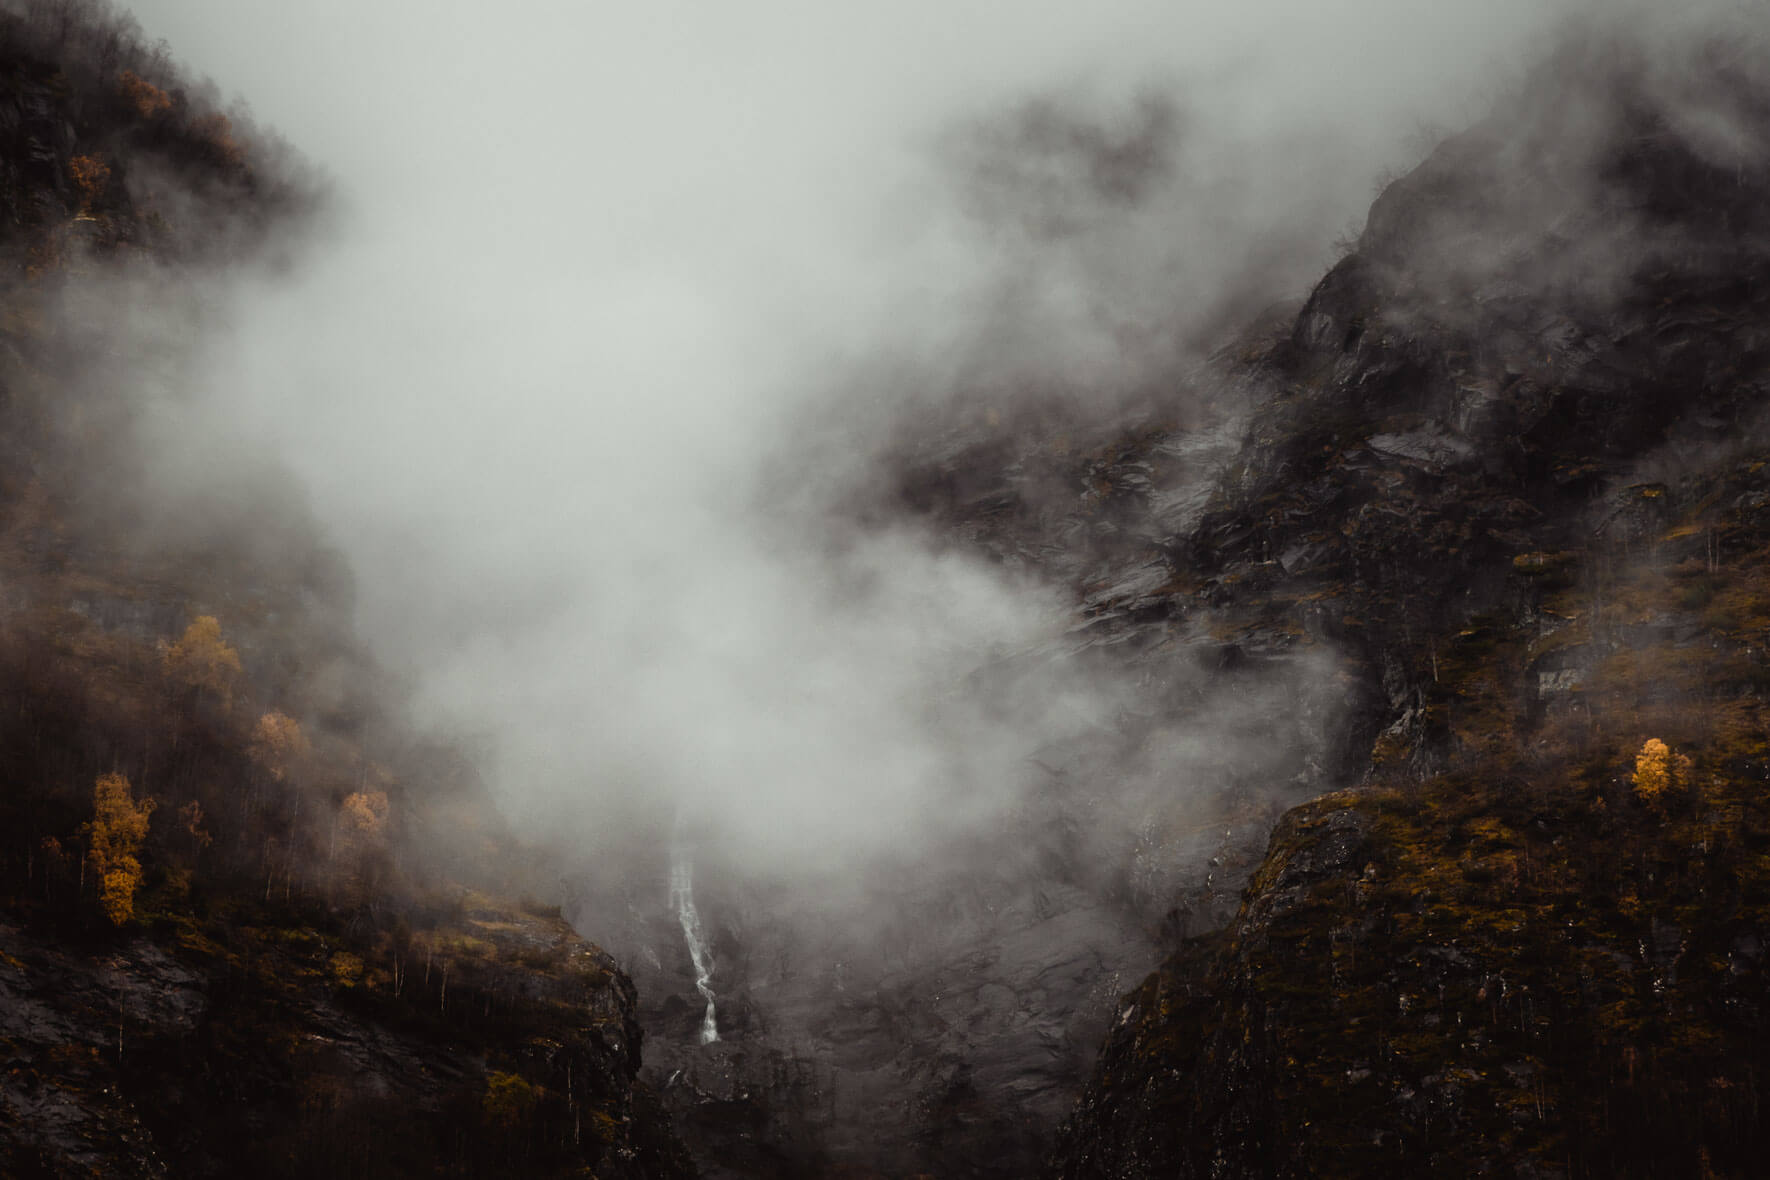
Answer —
682 897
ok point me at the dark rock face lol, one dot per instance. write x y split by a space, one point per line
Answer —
284 990
1152 1110
1511 465
953 1048
1461 405
167 1053
1486 514
942 1017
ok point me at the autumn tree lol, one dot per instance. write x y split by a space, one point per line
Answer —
149 99
91 176
119 824
278 743
202 659
1659 773
363 816
362 820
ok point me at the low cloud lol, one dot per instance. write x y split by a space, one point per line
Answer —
547 380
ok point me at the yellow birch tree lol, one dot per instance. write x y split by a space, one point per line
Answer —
278 743
119 825
1659 772
202 659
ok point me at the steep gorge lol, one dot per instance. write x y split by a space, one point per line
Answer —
1405 579
1499 478
1514 465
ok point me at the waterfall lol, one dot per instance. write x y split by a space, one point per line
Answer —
682 897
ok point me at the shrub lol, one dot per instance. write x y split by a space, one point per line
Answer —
508 1100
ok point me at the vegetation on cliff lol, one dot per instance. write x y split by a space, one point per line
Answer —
249 923
1514 461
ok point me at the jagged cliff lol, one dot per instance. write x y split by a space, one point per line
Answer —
1475 522
1513 463
292 942
1485 523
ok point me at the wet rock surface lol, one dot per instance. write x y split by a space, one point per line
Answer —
169 1054
235 962
948 1029
1485 514
958 1059
1509 464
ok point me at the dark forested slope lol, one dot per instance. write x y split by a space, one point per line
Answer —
1486 523
1514 463
248 923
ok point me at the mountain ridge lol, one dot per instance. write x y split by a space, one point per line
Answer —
1514 468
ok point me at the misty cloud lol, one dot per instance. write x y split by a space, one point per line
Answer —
601 374
592 275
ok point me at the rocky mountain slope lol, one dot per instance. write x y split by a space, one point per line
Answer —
1476 522
1444 595
1514 464
249 924
944 1024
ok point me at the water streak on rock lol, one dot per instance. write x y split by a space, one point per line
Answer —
682 897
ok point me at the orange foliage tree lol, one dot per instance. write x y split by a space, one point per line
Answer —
278 743
119 825
91 176
364 817
149 99
1659 772
202 659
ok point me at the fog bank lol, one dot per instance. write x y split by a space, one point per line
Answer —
592 268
